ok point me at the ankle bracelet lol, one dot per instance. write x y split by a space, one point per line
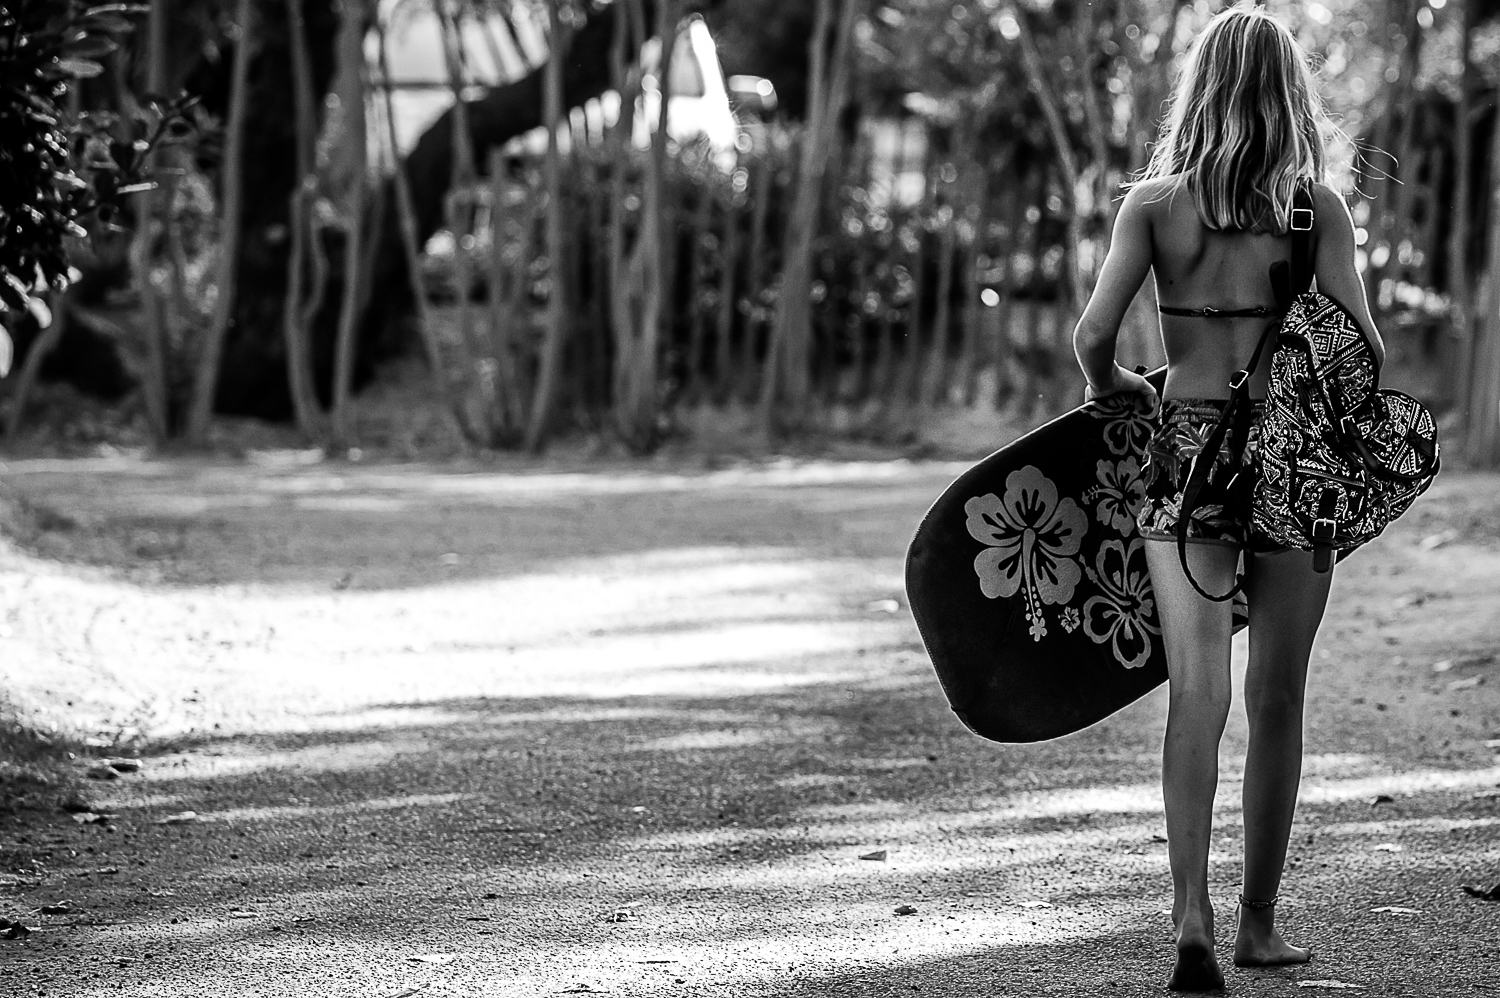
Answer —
1258 905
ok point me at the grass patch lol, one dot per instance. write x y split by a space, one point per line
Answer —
36 767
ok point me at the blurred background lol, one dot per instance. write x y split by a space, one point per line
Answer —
432 227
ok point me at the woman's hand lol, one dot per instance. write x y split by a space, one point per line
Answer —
1122 380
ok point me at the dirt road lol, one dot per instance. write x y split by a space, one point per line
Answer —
534 733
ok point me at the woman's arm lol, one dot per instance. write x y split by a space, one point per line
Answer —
1337 276
1125 267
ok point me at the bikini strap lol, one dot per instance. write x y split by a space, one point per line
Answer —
1209 312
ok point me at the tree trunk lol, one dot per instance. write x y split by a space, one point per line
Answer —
729 255
550 371
459 210
1149 94
352 59
627 84
976 211
503 318
40 348
908 386
206 379
698 261
785 390
1460 285
646 281
405 217
1067 161
762 186
305 239
152 208
1482 442
1096 125
935 381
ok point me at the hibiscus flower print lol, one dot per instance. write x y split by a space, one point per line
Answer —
1119 496
1124 614
1031 538
1129 422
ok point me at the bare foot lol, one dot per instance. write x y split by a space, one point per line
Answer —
1258 944
1197 969
1257 947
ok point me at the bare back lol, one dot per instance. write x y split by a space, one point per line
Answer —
1195 266
1158 230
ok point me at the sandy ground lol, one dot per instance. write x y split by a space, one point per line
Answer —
476 733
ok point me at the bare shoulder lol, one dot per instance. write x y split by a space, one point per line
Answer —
1330 209
1153 197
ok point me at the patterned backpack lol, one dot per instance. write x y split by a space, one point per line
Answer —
1339 458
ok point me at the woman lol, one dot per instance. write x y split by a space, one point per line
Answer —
1208 219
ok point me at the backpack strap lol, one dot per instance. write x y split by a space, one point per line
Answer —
1289 278
1237 415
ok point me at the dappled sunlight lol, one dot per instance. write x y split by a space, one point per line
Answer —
702 621
1327 791
665 760
228 759
285 811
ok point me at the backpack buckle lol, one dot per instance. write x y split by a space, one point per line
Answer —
1302 219
1323 531
1238 381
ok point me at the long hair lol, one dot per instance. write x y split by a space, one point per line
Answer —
1244 124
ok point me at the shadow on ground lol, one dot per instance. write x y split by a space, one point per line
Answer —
361 528
662 777
624 844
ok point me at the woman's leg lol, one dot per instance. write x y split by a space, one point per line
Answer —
1287 599
1196 632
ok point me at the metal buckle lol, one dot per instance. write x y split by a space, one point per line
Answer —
1209 311
1305 215
1238 381
1323 530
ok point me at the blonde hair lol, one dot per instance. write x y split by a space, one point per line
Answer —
1244 124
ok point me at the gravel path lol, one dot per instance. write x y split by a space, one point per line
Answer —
471 733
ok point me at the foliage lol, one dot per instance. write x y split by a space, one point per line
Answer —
59 170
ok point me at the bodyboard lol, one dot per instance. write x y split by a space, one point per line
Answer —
1028 580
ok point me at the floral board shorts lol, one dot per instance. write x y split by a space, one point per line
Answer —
1223 513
